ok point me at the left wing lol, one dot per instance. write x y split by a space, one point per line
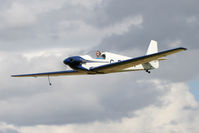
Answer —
113 67
57 73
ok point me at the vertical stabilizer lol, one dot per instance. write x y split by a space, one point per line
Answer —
153 48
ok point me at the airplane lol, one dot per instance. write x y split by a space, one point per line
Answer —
110 63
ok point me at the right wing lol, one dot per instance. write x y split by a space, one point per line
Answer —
118 66
46 74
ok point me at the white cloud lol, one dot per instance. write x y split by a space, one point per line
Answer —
43 23
191 19
47 5
16 16
6 128
124 26
178 112
87 3
82 32
174 44
56 52
21 13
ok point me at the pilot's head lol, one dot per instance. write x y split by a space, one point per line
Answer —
98 54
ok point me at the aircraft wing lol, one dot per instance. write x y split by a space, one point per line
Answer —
113 67
57 73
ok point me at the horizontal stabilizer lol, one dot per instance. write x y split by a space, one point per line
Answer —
162 59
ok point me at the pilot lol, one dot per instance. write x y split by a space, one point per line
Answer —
98 54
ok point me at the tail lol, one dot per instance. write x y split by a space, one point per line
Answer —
153 48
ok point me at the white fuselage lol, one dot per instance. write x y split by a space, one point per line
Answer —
109 58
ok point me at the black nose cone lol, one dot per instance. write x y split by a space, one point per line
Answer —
67 61
73 61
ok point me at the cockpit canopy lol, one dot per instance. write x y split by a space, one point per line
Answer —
103 56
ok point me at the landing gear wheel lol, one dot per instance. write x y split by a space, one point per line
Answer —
148 71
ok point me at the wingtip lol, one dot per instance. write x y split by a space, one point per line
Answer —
184 48
17 75
13 76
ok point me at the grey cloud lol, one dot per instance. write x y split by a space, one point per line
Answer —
5 4
9 131
30 101
83 99
164 21
180 67
44 33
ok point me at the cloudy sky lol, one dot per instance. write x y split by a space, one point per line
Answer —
36 36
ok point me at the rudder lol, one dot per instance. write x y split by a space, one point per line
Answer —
153 48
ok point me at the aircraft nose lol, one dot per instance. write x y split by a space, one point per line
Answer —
66 61
73 60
